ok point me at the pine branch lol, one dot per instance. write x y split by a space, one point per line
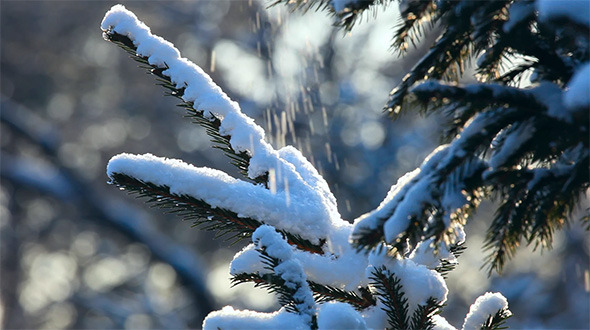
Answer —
305 5
414 233
446 267
476 96
450 48
432 66
456 172
223 222
461 103
415 17
555 67
505 239
324 293
345 19
288 292
504 234
287 276
497 321
240 159
535 203
487 22
367 239
390 292
354 11
422 317
370 237
271 282
492 61
460 40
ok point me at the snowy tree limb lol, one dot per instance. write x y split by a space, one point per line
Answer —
218 219
211 122
346 12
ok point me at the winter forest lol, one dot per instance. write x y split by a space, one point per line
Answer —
268 164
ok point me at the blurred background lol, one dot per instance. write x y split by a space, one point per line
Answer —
77 253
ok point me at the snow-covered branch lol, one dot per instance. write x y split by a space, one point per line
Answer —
294 185
301 246
482 312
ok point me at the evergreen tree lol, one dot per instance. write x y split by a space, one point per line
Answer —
519 135
527 146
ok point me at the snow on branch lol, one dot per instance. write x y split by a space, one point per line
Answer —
196 84
337 315
408 292
295 186
279 255
346 12
229 318
484 309
439 183
330 277
269 262
475 93
445 58
301 248
218 189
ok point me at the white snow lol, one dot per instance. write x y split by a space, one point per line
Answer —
395 195
232 319
247 261
298 188
375 316
575 10
296 178
337 315
199 88
413 191
309 175
414 200
427 254
440 323
275 246
267 239
484 306
407 198
577 94
459 232
344 268
419 283
307 217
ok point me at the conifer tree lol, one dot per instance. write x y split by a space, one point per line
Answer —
519 135
528 146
